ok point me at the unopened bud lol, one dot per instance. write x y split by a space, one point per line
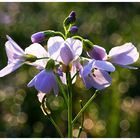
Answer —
72 14
30 58
50 65
41 36
38 37
73 30
70 19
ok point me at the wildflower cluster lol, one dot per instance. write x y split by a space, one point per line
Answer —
63 59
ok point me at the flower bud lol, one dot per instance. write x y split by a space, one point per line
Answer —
41 36
73 30
30 58
70 19
72 14
87 45
50 65
49 33
38 37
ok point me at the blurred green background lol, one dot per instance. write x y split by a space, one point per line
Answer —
116 110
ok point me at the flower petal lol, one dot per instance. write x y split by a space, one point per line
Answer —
38 51
54 46
63 78
40 96
76 47
13 51
129 67
123 55
98 53
72 72
10 68
88 68
100 80
66 54
45 82
32 82
104 65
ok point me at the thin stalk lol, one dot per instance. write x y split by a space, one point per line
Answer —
69 85
56 126
47 112
62 90
82 121
74 75
85 106
61 34
78 37
42 58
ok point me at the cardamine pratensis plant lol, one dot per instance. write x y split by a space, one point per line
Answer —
62 62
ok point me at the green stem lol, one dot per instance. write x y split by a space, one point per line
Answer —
56 126
47 112
74 75
78 37
62 90
85 106
61 34
82 121
42 58
69 85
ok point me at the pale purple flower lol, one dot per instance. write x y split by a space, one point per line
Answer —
97 53
95 74
17 57
121 55
124 55
45 82
64 51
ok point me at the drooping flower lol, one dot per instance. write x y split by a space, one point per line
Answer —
17 57
121 55
95 74
45 82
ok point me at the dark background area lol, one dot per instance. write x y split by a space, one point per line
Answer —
116 110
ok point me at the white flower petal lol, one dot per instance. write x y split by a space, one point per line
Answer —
54 47
13 51
38 51
40 96
104 65
76 46
124 55
66 54
101 79
10 68
63 78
